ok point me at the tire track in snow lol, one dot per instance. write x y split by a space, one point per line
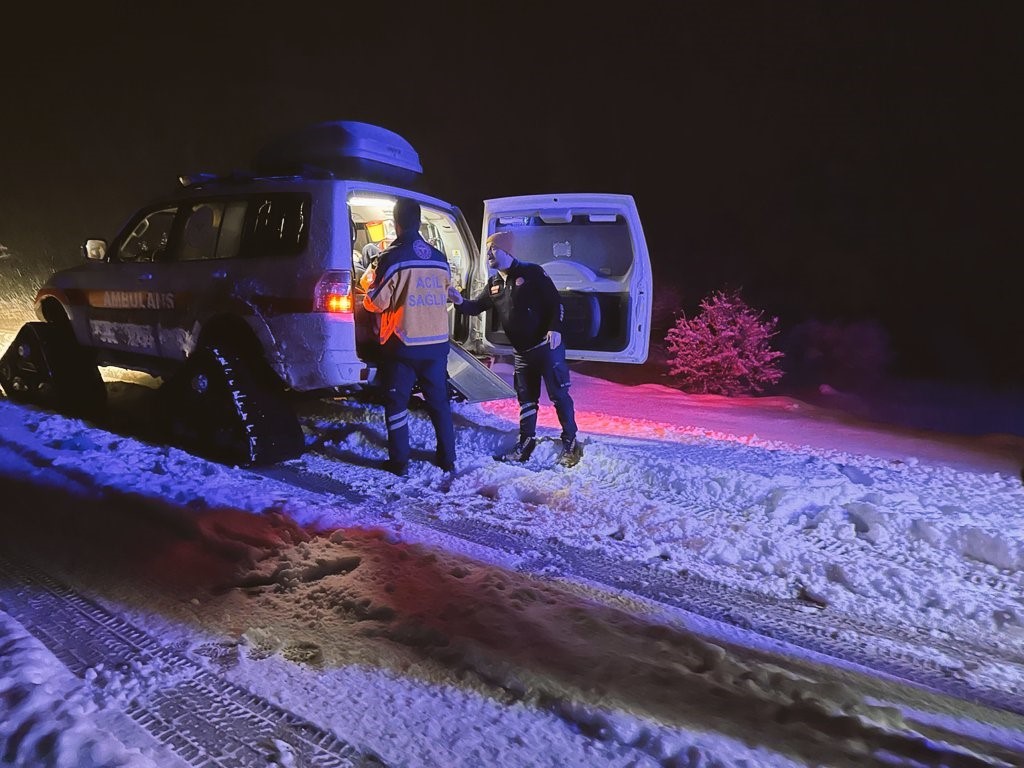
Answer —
751 483
206 720
915 657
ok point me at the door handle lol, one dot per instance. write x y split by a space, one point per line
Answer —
146 276
220 274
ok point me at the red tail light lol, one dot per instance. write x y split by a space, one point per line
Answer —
334 292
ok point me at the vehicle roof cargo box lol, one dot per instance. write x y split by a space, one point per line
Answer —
342 149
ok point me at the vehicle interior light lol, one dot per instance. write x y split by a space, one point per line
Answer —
379 202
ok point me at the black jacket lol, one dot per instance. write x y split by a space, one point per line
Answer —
526 303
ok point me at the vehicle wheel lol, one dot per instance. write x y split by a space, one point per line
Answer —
45 365
230 410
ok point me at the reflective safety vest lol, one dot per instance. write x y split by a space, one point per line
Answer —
410 292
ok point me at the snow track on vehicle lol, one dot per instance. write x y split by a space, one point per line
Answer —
917 656
203 718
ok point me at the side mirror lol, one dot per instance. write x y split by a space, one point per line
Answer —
95 250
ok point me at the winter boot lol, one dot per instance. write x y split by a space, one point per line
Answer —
572 452
519 452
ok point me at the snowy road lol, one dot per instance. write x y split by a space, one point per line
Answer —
198 717
933 659
192 711
683 597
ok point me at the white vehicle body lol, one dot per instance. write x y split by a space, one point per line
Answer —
272 261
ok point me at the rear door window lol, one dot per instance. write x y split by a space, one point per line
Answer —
212 230
599 244
201 230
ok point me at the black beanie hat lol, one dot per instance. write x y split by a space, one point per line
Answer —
407 214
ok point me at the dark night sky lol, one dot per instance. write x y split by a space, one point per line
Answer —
839 161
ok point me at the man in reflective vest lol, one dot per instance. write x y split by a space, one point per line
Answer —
409 291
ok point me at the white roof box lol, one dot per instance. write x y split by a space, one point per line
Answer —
344 148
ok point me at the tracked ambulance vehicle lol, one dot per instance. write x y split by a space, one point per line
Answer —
241 292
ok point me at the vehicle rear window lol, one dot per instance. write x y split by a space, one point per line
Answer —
602 245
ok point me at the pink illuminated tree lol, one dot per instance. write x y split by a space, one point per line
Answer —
725 349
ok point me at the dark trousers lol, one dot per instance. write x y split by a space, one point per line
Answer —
548 365
400 375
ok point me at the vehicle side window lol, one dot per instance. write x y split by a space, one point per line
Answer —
276 225
230 241
212 230
199 237
147 240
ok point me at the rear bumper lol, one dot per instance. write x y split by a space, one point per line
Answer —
316 350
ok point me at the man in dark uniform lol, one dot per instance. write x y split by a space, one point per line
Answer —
409 290
530 312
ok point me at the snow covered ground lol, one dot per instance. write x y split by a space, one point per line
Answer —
364 613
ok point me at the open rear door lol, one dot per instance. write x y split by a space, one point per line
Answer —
593 248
